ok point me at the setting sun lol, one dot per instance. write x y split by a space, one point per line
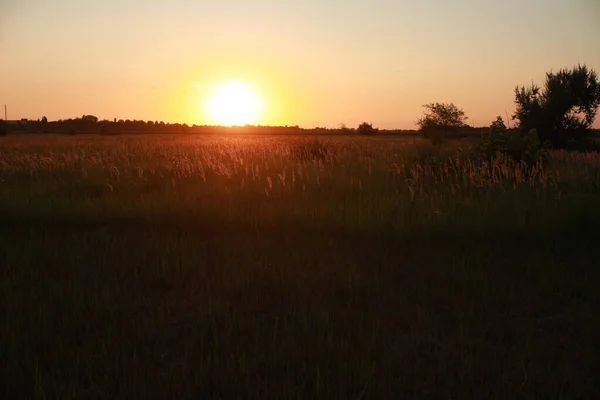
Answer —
233 103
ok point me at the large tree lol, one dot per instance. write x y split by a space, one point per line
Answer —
564 110
440 120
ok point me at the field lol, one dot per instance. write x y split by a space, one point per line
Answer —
173 266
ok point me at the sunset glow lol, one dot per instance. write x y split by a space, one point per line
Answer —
307 62
233 103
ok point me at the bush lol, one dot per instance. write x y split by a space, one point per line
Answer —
366 129
498 139
528 148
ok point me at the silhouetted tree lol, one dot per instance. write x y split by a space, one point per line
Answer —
366 129
498 126
564 110
344 128
440 120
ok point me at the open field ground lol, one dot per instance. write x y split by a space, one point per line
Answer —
172 266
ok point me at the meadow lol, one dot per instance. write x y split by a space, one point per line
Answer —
187 266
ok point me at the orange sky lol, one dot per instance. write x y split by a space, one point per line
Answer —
313 62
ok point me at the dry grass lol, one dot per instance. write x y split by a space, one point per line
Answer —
274 267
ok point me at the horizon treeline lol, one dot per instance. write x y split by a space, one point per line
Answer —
92 125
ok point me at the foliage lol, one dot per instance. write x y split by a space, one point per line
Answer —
440 120
366 129
564 111
344 129
499 140
498 126
495 140
528 148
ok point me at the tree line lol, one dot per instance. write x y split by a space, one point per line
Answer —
560 114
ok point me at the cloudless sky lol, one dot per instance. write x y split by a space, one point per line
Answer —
315 62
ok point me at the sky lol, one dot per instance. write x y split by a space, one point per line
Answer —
313 62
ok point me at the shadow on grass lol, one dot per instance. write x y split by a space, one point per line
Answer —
131 308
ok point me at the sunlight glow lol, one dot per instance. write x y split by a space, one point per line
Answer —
233 103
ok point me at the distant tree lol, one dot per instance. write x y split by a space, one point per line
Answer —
44 120
498 125
366 129
564 110
89 118
344 128
440 120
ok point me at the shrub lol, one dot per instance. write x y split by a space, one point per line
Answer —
528 148
366 129
498 139
440 120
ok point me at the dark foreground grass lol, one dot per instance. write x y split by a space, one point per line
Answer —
106 313
329 292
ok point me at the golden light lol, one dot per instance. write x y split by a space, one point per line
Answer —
233 103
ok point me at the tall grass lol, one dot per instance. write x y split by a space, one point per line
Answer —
276 267
355 183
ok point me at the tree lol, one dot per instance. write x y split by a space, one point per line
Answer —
498 126
90 118
44 120
344 128
495 140
366 129
564 110
440 120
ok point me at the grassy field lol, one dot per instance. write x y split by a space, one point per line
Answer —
280 267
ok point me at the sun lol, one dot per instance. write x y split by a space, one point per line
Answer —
233 103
